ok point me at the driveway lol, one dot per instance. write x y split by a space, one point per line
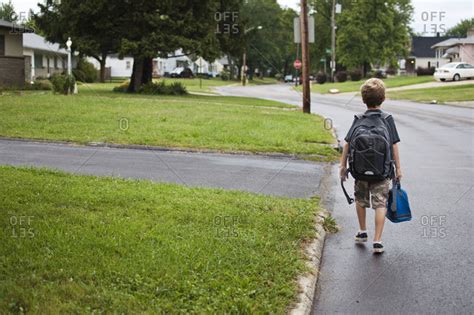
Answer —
428 263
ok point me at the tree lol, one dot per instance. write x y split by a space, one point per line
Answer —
158 28
7 12
92 24
271 47
373 32
461 29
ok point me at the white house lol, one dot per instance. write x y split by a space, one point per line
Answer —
422 54
42 58
122 67
457 49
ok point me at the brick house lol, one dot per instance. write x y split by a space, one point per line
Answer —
12 62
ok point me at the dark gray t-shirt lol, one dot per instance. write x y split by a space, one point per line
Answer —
392 129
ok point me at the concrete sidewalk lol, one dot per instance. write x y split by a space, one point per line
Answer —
259 174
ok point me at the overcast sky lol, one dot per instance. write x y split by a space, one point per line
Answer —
430 15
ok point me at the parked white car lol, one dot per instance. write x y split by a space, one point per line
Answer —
454 71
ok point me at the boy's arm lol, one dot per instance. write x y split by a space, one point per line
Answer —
396 157
343 165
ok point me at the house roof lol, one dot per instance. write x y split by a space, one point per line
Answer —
14 26
421 46
454 41
37 42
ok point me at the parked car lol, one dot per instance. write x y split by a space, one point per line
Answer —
176 73
454 71
181 72
288 78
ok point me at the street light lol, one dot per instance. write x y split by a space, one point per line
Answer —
69 66
244 57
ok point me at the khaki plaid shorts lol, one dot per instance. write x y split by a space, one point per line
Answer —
376 192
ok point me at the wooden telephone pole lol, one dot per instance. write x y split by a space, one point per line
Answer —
305 56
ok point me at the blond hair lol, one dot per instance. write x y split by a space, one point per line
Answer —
373 92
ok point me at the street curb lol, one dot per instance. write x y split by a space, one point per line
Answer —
307 282
274 155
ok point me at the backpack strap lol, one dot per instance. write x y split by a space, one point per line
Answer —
385 116
349 199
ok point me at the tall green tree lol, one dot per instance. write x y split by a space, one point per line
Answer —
461 29
93 25
272 47
7 12
160 27
374 32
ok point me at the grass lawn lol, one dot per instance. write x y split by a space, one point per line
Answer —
226 124
82 244
443 94
353 86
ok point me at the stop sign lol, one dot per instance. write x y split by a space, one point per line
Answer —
297 64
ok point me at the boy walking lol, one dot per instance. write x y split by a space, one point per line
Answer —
371 149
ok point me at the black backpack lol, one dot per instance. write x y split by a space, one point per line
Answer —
370 148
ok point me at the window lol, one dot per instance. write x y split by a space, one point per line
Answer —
128 65
38 60
2 45
461 66
468 66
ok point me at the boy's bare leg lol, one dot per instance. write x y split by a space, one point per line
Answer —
379 222
361 216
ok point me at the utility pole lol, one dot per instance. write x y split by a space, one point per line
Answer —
244 57
244 66
333 40
305 56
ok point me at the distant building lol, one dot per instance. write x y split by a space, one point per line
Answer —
122 67
42 58
12 62
422 55
25 56
456 49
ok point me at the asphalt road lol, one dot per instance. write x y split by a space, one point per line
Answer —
428 264
266 175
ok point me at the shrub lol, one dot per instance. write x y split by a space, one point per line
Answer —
425 71
355 75
42 85
158 88
321 77
63 84
154 88
176 88
123 87
85 72
279 76
225 75
341 76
